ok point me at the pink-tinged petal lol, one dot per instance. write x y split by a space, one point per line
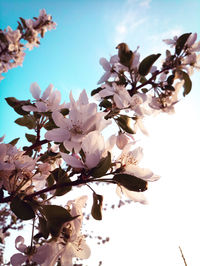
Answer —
135 196
47 92
2 138
53 254
114 59
105 64
60 120
43 252
83 252
17 259
118 101
19 244
29 108
191 39
106 92
35 90
72 161
42 107
72 145
83 98
57 134
55 98
105 77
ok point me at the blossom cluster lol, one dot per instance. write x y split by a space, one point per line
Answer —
12 41
70 147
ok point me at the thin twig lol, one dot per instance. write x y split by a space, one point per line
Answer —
182 256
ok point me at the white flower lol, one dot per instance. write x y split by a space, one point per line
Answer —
15 167
132 195
108 67
49 101
37 255
94 148
82 119
130 160
121 96
71 243
171 42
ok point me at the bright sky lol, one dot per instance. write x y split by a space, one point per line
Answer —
68 58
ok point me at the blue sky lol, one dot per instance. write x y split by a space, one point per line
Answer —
68 57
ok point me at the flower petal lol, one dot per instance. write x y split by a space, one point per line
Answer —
35 90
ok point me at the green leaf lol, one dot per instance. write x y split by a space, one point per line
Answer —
22 209
187 81
97 206
43 227
181 42
147 63
17 105
50 180
65 189
31 138
131 182
102 167
56 216
12 101
63 149
124 121
14 141
105 103
64 111
50 125
96 91
23 22
26 121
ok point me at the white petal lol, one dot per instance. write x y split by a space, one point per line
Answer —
135 196
60 120
42 107
72 161
105 64
35 90
29 108
83 98
47 92
104 78
57 134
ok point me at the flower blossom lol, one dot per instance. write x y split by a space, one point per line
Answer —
49 101
34 254
94 149
71 243
15 167
83 118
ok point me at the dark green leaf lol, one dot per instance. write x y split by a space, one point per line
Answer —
147 63
187 81
97 206
14 141
102 167
23 22
27 121
12 101
131 182
31 138
96 91
56 216
43 228
124 121
64 189
64 111
105 103
50 125
170 79
181 42
22 209
62 148
50 180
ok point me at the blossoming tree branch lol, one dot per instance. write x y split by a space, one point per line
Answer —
69 148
